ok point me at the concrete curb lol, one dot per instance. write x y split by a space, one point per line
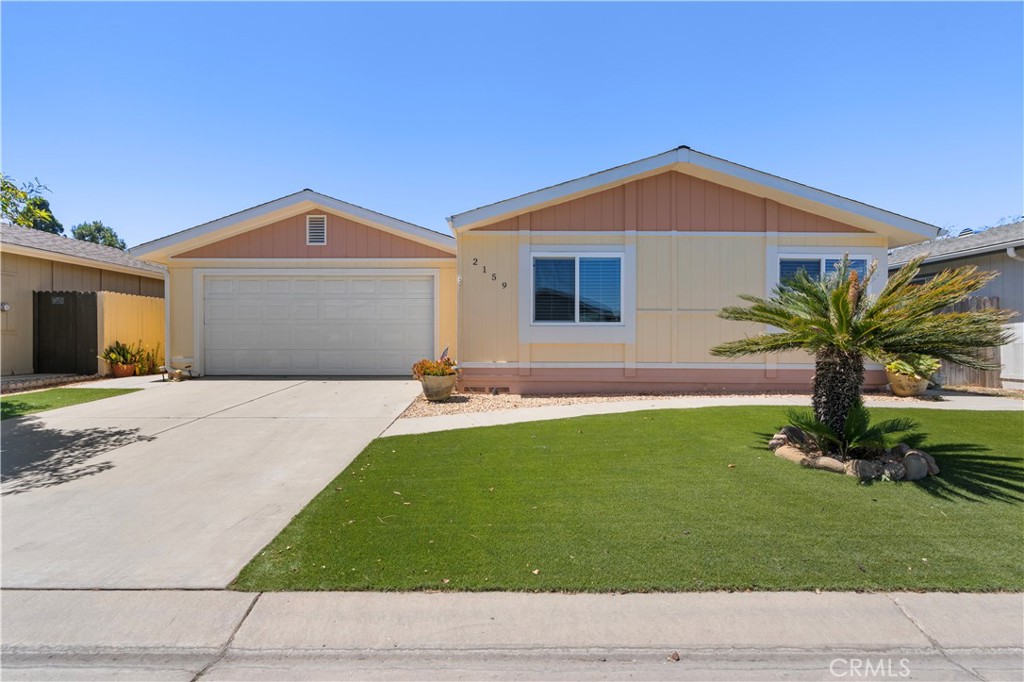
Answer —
468 420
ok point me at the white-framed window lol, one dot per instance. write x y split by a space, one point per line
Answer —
577 289
316 230
817 266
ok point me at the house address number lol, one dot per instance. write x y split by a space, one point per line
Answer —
494 276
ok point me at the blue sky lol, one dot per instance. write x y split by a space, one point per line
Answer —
157 117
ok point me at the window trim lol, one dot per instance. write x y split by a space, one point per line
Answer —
324 242
576 255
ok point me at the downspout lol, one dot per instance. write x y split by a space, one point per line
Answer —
1011 251
458 291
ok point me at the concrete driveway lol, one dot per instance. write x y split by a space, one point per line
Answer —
177 486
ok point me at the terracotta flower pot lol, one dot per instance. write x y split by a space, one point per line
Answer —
436 389
906 386
121 371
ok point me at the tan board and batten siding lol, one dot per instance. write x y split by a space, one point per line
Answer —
279 250
21 275
698 246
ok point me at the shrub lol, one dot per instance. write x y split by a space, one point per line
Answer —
433 368
149 360
914 365
119 353
859 439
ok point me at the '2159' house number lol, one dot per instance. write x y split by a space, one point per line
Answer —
494 277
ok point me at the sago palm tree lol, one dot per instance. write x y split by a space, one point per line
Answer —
835 319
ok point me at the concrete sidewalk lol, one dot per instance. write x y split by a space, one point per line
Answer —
950 401
216 635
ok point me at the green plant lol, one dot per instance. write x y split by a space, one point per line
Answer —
914 365
859 437
835 319
149 360
434 368
119 353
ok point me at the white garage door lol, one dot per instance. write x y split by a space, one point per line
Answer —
322 325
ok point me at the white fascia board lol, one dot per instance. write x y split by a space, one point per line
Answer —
684 160
757 177
363 215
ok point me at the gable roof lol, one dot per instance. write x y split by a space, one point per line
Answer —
990 240
39 244
292 204
900 229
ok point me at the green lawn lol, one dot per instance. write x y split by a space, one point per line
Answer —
648 501
29 403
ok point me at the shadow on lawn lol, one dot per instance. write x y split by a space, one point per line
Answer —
972 472
35 456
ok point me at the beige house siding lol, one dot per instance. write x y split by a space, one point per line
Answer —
21 275
682 280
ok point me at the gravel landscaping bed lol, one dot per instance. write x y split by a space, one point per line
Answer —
462 403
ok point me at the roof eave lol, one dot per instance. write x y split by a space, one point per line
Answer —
46 254
966 253
163 248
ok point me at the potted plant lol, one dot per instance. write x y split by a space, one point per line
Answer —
437 377
910 374
122 358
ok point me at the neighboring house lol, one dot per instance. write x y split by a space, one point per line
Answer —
999 249
307 285
33 260
612 282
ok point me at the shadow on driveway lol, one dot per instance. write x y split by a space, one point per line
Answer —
35 456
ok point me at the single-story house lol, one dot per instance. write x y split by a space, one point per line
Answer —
33 260
604 283
612 281
999 249
307 285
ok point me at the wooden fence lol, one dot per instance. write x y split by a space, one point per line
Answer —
129 319
958 375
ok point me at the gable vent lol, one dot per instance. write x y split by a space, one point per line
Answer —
316 230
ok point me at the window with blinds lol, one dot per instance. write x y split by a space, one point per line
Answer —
577 289
816 268
316 230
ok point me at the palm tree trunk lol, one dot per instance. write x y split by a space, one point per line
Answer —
838 376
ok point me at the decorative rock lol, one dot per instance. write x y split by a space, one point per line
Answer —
894 471
795 435
916 466
862 468
792 454
900 450
828 464
933 468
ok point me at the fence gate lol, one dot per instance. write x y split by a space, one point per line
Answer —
64 332
958 375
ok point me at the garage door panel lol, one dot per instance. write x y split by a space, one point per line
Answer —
420 288
277 287
317 325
